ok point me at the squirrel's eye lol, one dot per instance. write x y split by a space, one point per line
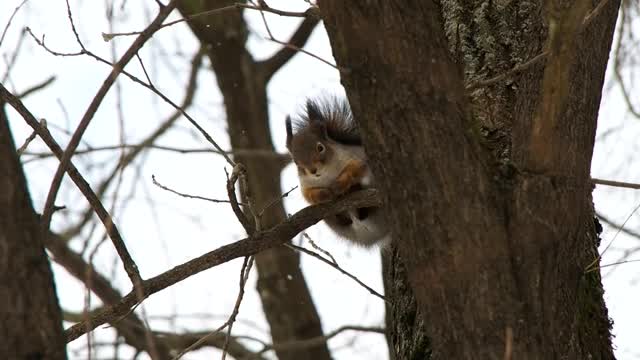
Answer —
320 148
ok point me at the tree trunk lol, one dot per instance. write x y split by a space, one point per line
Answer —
285 297
30 319
496 227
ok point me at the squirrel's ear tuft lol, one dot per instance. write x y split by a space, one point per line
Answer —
287 123
313 111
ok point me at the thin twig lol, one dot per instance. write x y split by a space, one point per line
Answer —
315 341
315 246
299 38
12 60
335 266
244 274
73 27
619 184
29 139
137 149
135 79
276 201
156 183
309 12
619 227
236 152
615 263
6 27
238 170
594 264
144 69
36 87
291 46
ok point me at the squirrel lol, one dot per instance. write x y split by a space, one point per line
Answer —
327 150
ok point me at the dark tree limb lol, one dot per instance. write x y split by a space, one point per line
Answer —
270 66
73 172
131 328
263 241
30 319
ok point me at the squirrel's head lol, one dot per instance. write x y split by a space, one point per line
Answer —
310 146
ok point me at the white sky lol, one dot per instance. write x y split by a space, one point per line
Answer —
163 230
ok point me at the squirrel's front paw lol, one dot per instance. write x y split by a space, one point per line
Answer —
350 176
317 195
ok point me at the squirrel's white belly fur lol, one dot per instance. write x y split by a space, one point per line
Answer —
364 230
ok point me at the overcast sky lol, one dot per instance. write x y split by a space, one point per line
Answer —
163 230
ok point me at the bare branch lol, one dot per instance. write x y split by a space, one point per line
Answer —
285 158
217 340
233 199
29 139
619 184
291 46
75 265
292 345
149 140
618 227
129 264
271 65
280 234
595 263
244 276
337 267
6 27
156 183
77 178
36 87
311 12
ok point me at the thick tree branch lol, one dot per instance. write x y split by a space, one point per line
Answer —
250 246
174 341
131 328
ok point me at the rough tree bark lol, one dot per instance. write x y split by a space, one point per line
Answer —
497 224
30 319
285 297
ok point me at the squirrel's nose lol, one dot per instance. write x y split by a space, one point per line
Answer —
313 170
